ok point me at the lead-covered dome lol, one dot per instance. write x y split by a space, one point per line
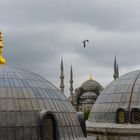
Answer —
89 94
90 85
123 95
25 98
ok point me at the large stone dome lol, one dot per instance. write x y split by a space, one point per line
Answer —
90 85
89 94
25 99
116 112
123 93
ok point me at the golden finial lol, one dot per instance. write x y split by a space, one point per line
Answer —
2 59
90 77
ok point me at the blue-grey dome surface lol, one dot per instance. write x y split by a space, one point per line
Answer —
124 92
89 94
23 95
91 85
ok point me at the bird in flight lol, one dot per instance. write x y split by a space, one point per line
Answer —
84 43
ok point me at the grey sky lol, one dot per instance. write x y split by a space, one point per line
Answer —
37 33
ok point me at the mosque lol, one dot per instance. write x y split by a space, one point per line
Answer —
31 108
84 97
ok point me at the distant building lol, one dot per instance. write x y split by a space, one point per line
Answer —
84 97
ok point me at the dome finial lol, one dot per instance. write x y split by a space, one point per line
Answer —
90 77
2 59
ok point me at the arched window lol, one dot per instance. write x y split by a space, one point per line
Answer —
49 127
135 115
120 116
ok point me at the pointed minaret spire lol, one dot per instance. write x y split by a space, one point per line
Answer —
62 76
2 59
116 69
71 82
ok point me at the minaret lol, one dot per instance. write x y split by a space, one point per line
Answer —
71 82
116 69
62 77
2 59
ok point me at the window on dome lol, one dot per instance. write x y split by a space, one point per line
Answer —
120 116
48 127
135 116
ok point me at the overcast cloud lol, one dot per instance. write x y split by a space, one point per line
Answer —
37 33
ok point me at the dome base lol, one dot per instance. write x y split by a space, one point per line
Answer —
112 131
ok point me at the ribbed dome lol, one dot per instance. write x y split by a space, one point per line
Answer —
90 85
87 101
23 96
123 92
89 94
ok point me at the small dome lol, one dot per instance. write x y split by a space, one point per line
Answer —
88 101
124 92
90 85
24 98
89 94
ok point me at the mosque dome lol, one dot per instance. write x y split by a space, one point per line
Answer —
89 94
28 102
119 102
31 108
85 96
90 85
